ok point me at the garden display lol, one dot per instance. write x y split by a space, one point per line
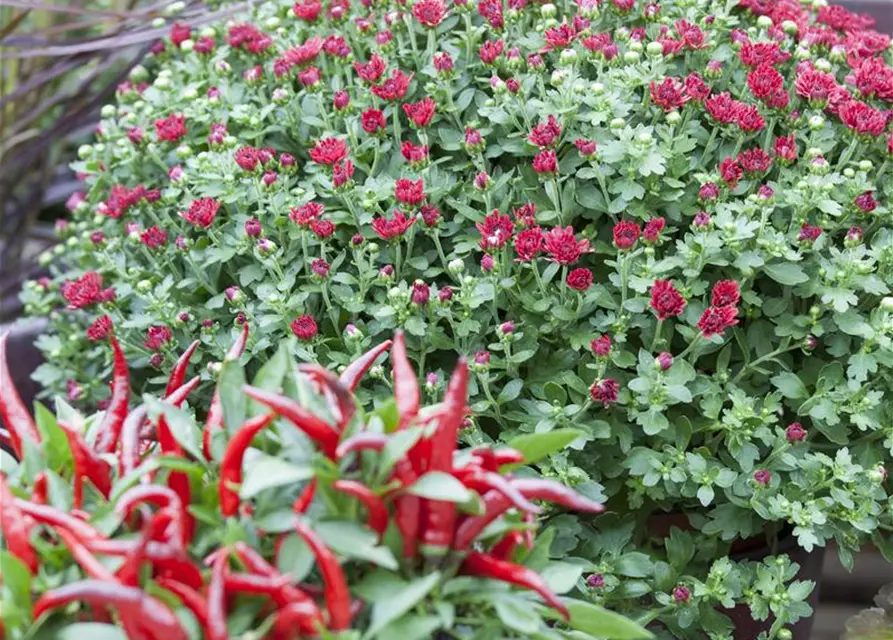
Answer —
658 233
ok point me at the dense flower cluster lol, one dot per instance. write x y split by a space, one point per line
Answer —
706 185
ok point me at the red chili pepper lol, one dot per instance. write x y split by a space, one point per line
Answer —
86 465
255 584
40 489
178 481
16 527
110 428
191 599
215 410
128 573
255 563
504 549
231 464
496 503
13 411
408 509
167 560
178 373
482 481
406 384
6 439
314 427
363 441
144 612
178 396
162 497
375 506
130 439
303 501
300 617
217 598
337 595
339 396
493 459
45 514
439 521
485 566
355 371
84 557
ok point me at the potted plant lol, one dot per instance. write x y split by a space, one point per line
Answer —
659 232
311 517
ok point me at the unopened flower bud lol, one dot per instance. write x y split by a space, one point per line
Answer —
234 294
681 594
456 266
762 477
507 328
487 263
664 360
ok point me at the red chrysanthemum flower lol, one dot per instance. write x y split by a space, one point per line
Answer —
722 108
715 320
180 33
304 328
653 228
809 233
862 119
496 230
156 337
414 154
865 202
669 94
545 134
816 86
563 246
171 128
764 81
695 87
490 50
84 291
322 228
420 113
580 279
666 300
601 346
393 228
304 215
730 171
605 392
307 10
559 37
529 243
408 192
328 151
626 234
100 328
371 71
725 294
545 163
394 88
154 237
754 161
373 121
201 212
304 54
342 174
429 13
785 148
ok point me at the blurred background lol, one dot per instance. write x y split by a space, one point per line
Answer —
60 61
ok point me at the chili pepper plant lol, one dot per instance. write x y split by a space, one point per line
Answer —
304 517
659 231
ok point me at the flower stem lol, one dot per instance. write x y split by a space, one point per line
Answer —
657 331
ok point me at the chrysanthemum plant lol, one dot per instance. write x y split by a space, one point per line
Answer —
304 516
659 231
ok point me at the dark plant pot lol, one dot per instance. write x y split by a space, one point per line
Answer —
23 357
746 628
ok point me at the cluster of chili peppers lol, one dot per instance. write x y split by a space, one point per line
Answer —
434 530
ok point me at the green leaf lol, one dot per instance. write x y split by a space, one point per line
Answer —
510 391
536 446
89 631
397 447
786 273
601 623
295 557
400 602
233 401
353 540
54 442
561 576
182 426
437 485
413 627
271 375
790 385
517 614
267 472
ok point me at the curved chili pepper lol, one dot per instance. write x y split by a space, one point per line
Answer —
191 599
355 371
255 584
408 509
110 428
167 560
214 421
343 399
179 395
16 527
231 464
178 373
128 573
485 566
482 481
363 441
6 439
504 549
439 520
255 563
303 501
45 514
130 439
217 598
378 512
40 489
178 481
162 497
314 427
146 612
337 595
493 459
13 411
297 616
84 557
406 384
86 465
496 503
